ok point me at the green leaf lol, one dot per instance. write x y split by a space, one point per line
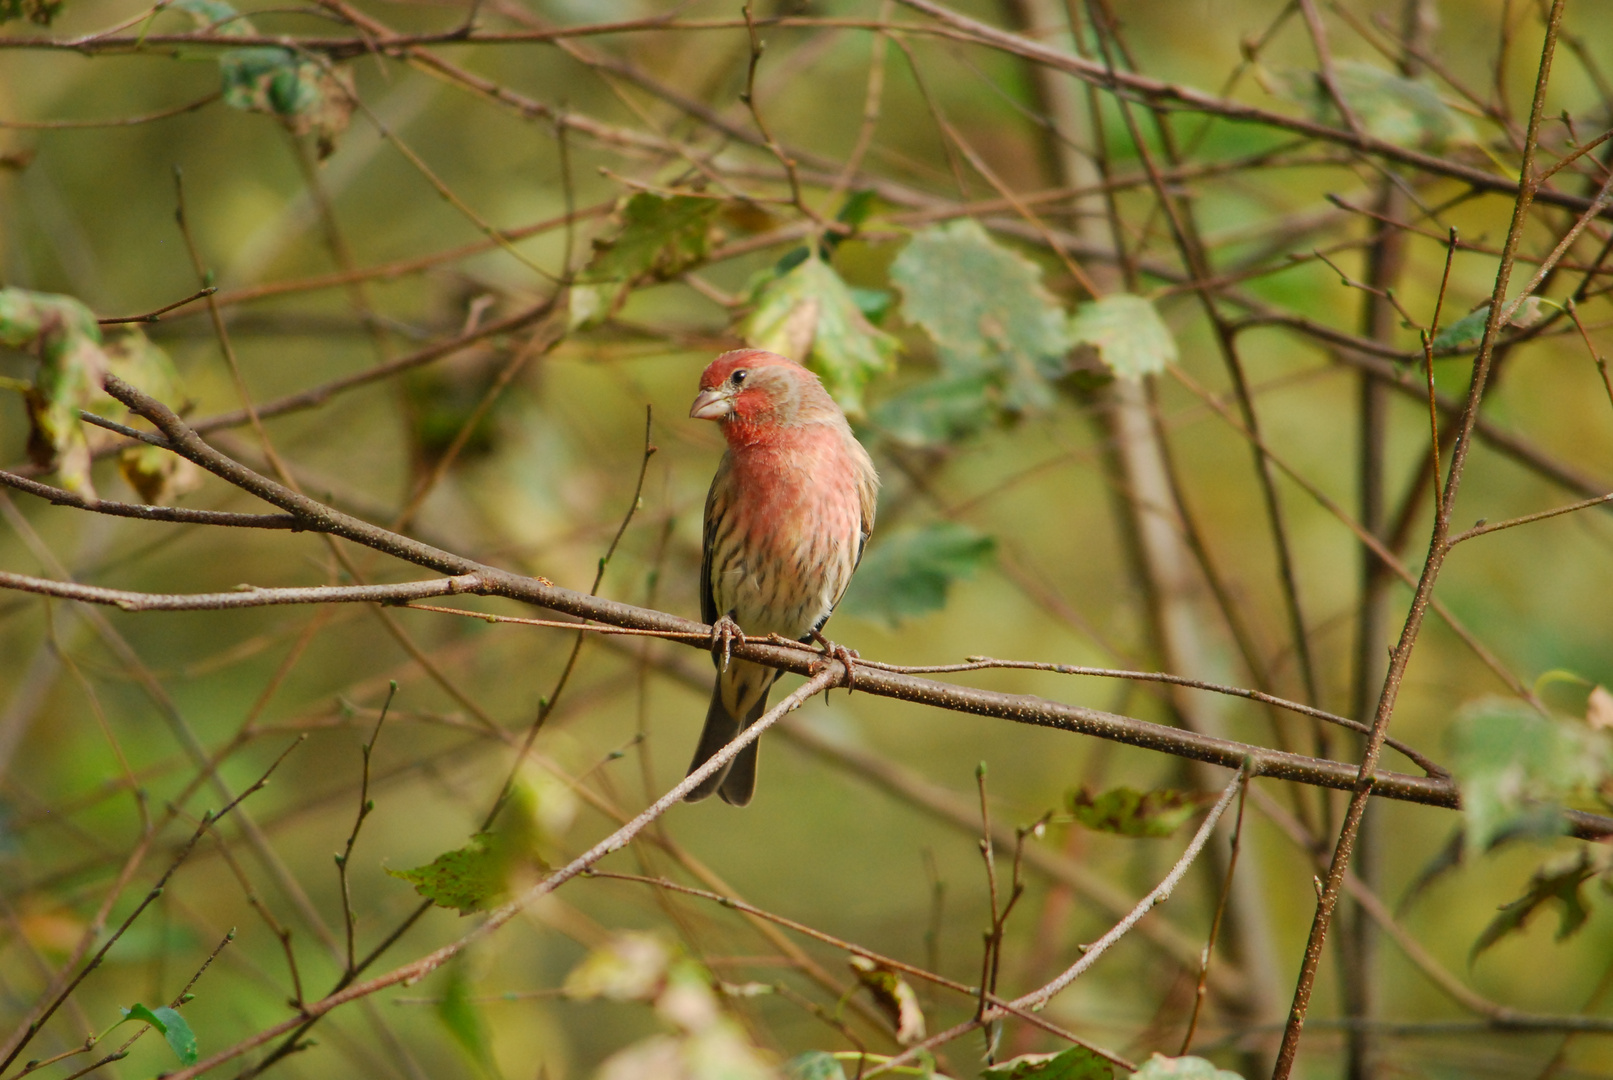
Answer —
938 411
814 1065
464 1020
181 1039
1076 1063
894 997
304 94
909 572
216 17
1130 812
468 879
1515 768
174 1028
631 966
1160 1067
1558 884
40 12
656 236
1465 333
858 205
984 307
810 315
1127 332
157 475
1390 107
72 369
874 303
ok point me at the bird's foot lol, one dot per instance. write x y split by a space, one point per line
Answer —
724 632
833 652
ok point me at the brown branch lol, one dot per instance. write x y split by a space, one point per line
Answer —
144 512
486 580
831 673
1333 884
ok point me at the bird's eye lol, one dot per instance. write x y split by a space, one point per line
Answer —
738 377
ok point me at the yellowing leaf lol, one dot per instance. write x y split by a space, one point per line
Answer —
1599 709
894 997
808 314
1160 1067
1128 334
53 931
72 369
157 476
632 966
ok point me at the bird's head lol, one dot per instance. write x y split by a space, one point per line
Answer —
752 390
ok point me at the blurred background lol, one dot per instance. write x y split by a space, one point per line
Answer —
344 203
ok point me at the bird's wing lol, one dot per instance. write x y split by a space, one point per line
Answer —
868 496
708 599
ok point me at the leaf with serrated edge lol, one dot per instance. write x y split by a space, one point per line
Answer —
467 879
986 310
1515 767
1127 332
910 572
658 234
809 314
1559 883
656 237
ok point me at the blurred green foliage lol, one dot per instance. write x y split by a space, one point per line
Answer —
1007 526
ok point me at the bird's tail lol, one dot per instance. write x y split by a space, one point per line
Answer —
736 782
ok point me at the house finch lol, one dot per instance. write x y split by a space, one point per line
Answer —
789 511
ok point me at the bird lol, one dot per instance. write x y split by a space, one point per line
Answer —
788 515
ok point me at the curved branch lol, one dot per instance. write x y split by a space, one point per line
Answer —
1020 708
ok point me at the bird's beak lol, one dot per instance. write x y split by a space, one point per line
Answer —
711 405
